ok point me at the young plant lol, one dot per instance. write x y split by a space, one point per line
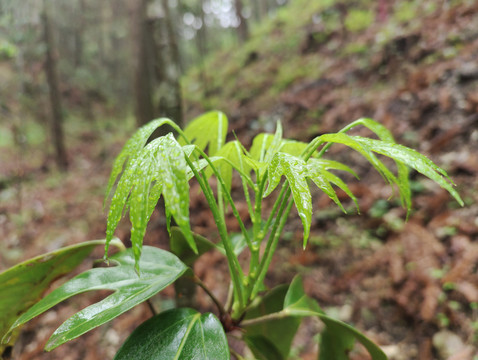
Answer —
266 320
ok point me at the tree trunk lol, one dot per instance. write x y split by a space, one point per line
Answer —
143 104
174 107
55 100
243 29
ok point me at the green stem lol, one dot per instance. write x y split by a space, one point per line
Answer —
235 270
218 304
274 316
273 241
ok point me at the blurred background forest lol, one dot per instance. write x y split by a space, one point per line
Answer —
78 76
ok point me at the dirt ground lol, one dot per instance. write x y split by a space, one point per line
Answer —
411 286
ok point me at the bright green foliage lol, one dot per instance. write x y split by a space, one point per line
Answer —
159 269
164 166
26 282
177 334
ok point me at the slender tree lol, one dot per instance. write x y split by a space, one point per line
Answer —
243 29
143 104
55 98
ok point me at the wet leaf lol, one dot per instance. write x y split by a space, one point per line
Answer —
208 130
160 168
177 334
180 247
24 284
294 170
159 269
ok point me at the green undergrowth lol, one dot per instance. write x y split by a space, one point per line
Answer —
279 54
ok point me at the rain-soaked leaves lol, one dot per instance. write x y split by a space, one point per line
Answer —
177 334
160 168
24 284
159 269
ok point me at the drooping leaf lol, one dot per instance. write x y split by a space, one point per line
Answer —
159 269
177 334
413 159
131 149
294 169
208 130
403 174
160 168
24 284
180 247
271 340
297 303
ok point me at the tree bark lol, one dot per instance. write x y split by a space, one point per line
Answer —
243 29
55 98
143 104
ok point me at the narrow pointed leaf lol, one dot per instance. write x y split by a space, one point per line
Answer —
159 269
173 167
131 149
413 159
208 130
177 334
24 284
403 174
294 169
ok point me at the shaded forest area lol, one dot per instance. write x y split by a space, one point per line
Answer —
411 286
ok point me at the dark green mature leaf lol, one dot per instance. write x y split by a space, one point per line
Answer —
159 269
297 303
208 130
177 334
268 340
24 284
294 170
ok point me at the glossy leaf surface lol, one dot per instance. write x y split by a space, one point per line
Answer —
160 168
24 284
180 247
177 334
159 269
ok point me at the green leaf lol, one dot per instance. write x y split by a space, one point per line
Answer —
208 130
131 149
232 152
295 171
160 168
337 328
238 242
159 269
177 334
271 338
413 159
180 247
316 171
335 343
297 303
24 284
403 173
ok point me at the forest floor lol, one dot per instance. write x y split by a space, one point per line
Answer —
411 286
